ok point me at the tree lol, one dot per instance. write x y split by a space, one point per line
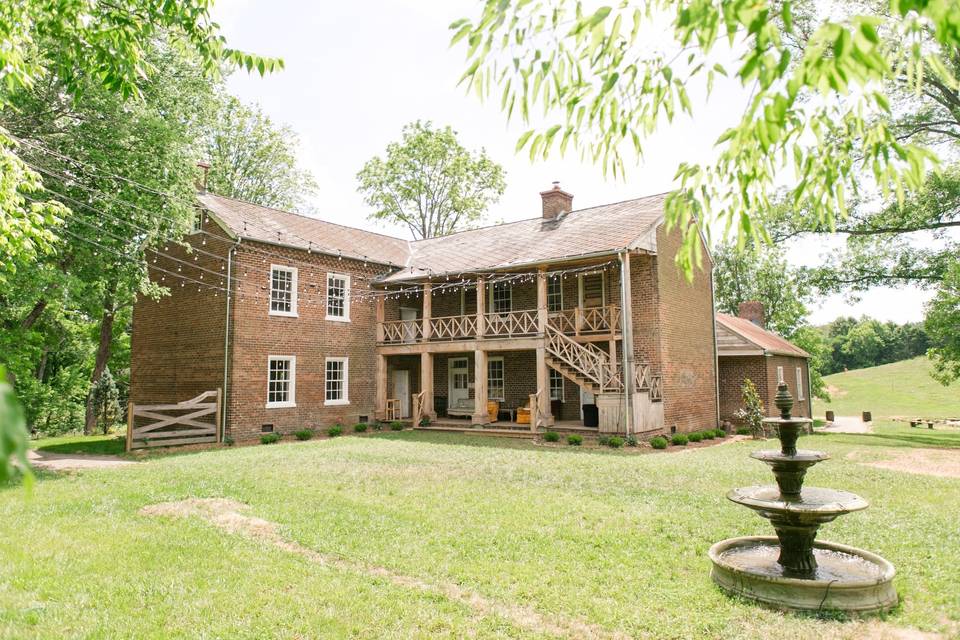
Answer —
751 413
106 401
943 327
253 159
819 103
430 182
761 274
13 433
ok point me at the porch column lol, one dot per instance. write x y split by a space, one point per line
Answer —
381 314
480 387
481 308
543 389
426 384
427 311
542 300
380 406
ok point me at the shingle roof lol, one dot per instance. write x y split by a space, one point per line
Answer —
253 222
596 230
758 337
600 230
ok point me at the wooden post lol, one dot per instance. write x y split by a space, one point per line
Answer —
381 315
543 387
534 412
380 405
542 300
480 415
129 426
481 307
427 310
426 384
577 319
219 414
415 399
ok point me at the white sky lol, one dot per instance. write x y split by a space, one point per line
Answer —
356 72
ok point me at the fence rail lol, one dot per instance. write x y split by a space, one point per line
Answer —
175 424
513 323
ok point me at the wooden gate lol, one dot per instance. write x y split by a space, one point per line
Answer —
165 425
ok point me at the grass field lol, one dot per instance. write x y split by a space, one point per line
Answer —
902 389
109 444
614 540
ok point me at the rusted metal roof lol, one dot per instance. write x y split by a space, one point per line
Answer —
738 336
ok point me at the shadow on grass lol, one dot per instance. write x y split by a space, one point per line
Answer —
91 445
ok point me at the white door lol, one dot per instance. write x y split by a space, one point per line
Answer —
409 318
401 390
585 398
458 389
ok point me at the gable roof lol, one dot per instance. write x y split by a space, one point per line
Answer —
739 336
601 230
265 224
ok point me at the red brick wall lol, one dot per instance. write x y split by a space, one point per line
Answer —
310 337
762 370
687 340
177 342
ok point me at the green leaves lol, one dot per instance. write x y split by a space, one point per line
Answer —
13 435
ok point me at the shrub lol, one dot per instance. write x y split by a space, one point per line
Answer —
227 440
360 427
720 433
615 442
679 439
334 431
425 421
603 441
752 412
709 434
303 434
551 436
632 441
696 436
658 442
743 431
396 425
575 439
377 425
270 438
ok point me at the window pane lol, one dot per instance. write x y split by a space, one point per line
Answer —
336 296
281 290
501 297
278 385
495 379
556 385
554 294
334 380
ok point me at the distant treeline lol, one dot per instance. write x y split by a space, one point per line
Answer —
855 344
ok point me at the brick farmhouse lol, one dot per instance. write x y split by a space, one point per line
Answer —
572 319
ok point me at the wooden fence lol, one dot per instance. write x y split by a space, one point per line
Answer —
166 425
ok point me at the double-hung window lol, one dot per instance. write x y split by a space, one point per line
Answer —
336 381
554 294
283 290
800 383
281 381
197 222
495 387
338 297
502 298
556 385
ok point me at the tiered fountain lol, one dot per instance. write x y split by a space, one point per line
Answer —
792 570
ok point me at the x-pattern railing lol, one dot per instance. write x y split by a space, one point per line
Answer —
453 327
396 331
590 362
513 323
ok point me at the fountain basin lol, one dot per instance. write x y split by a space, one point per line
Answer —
846 579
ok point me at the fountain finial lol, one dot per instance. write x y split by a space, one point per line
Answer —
783 400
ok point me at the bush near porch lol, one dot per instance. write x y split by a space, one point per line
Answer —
616 540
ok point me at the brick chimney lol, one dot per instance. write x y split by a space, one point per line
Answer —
556 202
752 310
201 180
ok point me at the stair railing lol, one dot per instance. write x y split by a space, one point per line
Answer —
591 362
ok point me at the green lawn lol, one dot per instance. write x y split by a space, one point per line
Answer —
109 444
614 539
902 389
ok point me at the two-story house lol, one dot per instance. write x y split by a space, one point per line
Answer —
573 318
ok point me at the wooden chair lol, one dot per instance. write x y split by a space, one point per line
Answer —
393 408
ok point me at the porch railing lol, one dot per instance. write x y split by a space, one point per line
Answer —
402 331
580 320
453 327
513 323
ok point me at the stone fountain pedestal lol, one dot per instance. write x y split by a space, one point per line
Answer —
793 570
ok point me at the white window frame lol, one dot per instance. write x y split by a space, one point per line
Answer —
780 377
345 382
800 384
291 400
490 297
197 225
346 297
554 374
503 379
558 282
292 313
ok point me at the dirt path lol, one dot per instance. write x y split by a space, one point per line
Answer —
848 424
74 461
942 463
228 515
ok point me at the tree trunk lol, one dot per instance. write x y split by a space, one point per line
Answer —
103 355
34 314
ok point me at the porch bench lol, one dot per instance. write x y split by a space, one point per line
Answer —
463 408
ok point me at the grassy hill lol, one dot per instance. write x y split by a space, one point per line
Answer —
902 388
